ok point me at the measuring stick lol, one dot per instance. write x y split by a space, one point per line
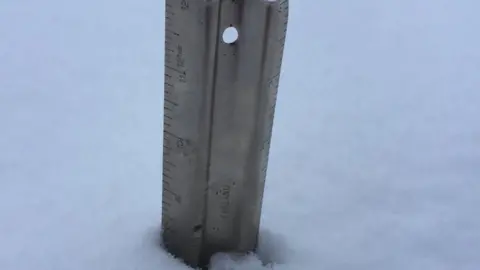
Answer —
218 114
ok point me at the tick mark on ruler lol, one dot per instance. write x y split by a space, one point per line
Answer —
170 163
171 102
171 134
173 32
176 197
176 70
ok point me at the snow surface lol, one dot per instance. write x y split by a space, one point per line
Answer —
375 160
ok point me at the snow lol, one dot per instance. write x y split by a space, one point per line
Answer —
375 160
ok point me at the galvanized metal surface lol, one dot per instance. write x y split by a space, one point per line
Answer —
218 116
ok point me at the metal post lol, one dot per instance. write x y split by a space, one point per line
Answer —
218 115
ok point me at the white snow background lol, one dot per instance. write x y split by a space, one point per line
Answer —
375 160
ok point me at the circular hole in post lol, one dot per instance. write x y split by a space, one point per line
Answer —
230 35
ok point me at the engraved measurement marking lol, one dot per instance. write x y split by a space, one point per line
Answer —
184 5
179 57
171 102
171 134
166 219
274 79
172 32
176 197
168 10
265 144
180 143
175 69
165 203
224 193
170 163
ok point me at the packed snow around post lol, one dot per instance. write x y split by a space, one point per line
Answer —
375 159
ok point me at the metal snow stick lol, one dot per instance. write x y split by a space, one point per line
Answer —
219 106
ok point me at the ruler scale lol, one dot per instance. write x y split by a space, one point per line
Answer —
219 104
